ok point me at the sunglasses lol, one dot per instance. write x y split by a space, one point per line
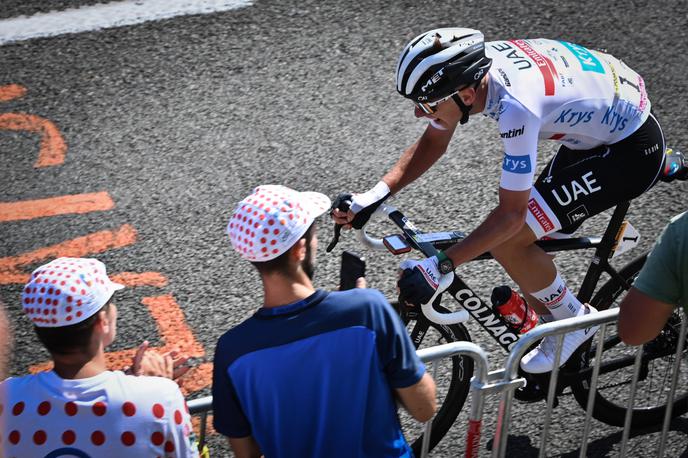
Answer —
431 107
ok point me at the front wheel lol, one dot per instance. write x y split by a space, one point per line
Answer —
616 366
452 377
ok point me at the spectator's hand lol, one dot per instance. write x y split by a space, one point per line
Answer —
170 365
360 283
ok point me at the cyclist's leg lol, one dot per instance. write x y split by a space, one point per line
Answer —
591 181
575 186
580 184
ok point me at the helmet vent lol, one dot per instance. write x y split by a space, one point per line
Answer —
459 38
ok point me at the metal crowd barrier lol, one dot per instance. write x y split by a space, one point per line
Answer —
203 406
509 375
505 381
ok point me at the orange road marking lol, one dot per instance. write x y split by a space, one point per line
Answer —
140 279
98 242
53 146
175 334
196 379
11 92
172 325
53 206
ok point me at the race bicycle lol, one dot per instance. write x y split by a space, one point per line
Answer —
432 324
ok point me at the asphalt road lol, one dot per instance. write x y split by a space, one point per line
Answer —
178 120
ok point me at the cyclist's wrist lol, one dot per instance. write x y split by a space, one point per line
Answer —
374 195
444 263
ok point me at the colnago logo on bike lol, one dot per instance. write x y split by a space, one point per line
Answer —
486 317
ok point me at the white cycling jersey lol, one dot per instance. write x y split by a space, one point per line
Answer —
545 89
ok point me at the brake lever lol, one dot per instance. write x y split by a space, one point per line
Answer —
342 202
335 238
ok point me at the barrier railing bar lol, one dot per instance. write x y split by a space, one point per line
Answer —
548 329
425 445
552 391
480 379
631 400
517 352
593 390
674 379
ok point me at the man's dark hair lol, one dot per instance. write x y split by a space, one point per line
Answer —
74 338
281 262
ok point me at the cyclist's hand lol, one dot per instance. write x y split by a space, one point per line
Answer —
419 281
362 206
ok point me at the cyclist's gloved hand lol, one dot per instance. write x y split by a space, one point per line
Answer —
419 281
364 205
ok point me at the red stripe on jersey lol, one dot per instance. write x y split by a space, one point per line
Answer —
544 64
557 136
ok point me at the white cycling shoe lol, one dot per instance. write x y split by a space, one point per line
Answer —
541 359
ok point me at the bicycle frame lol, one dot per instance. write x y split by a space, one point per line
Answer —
492 322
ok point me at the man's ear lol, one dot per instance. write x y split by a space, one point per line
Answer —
102 323
467 95
298 251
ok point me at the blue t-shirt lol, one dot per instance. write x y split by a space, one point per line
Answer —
315 378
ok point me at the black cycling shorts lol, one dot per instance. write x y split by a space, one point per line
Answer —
577 184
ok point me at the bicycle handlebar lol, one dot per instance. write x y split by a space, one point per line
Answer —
427 249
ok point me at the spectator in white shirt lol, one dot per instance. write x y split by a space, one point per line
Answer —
80 408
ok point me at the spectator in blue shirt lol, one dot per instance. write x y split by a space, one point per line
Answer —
311 373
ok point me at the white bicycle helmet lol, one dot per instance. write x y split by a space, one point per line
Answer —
434 64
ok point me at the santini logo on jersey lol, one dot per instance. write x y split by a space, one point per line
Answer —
513 132
516 164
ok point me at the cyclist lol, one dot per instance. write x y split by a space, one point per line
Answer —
612 150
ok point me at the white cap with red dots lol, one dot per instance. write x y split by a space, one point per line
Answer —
272 219
67 291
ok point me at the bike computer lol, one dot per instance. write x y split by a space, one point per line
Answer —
396 244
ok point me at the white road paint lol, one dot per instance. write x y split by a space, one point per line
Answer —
107 15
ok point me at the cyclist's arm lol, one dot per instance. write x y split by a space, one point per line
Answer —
501 224
419 399
519 130
642 317
245 447
418 158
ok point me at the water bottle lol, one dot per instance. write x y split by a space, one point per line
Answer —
514 309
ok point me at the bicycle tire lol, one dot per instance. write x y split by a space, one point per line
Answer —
454 395
606 409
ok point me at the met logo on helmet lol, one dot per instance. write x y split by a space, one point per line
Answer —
432 80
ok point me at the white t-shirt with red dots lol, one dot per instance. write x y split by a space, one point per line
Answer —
109 415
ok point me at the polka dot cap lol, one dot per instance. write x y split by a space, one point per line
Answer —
66 291
272 219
